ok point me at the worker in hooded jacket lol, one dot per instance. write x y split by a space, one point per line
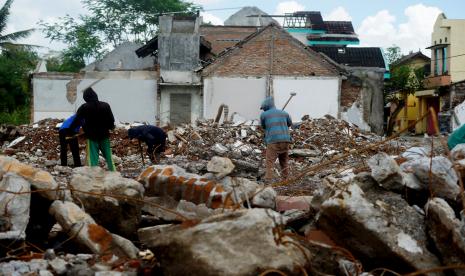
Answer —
153 136
276 124
98 120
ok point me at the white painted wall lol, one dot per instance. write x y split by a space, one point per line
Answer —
316 96
132 95
49 98
242 95
179 77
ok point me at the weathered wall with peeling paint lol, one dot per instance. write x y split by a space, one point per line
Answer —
242 95
132 95
368 109
316 96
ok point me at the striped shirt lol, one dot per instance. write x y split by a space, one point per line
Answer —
276 124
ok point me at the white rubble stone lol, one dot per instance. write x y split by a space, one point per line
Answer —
415 153
444 178
367 224
126 213
222 166
385 171
88 233
447 232
458 152
265 198
219 149
14 209
238 243
59 266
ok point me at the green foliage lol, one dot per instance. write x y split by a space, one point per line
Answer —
393 54
15 65
83 42
110 22
8 40
19 116
65 63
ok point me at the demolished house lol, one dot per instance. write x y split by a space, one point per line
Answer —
355 204
191 74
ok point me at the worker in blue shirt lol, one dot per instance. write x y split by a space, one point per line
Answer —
68 136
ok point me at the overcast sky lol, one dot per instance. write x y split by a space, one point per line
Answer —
405 23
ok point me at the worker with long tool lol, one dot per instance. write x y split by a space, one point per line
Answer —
153 136
68 136
98 121
276 124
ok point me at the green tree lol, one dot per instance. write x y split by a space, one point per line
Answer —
9 39
84 44
110 22
392 54
16 64
64 63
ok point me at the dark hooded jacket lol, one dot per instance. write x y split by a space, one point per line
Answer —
275 122
151 135
96 116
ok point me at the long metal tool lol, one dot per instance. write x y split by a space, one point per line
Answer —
288 100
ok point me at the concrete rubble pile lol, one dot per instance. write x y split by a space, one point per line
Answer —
205 211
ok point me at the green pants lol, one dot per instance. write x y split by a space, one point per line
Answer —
93 148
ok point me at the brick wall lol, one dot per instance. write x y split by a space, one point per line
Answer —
350 92
289 58
222 37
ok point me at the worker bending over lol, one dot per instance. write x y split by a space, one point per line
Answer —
276 124
153 136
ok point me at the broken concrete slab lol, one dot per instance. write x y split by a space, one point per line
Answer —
175 182
447 232
187 209
240 189
125 206
238 243
370 235
14 208
221 166
39 179
458 152
265 198
386 172
443 182
416 152
87 232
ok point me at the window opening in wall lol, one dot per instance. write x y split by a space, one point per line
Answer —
445 39
440 40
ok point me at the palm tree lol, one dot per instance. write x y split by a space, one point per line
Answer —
8 40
